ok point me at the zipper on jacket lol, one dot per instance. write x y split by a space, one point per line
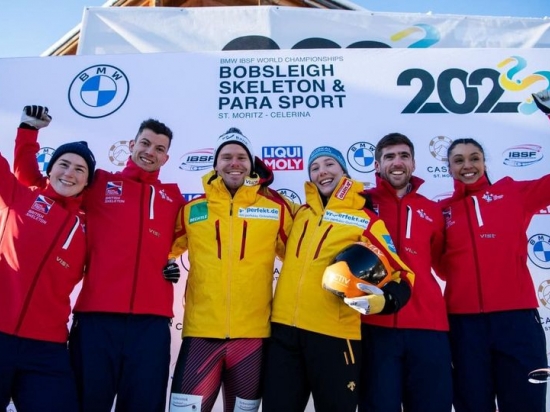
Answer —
30 293
478 211
229 271
397 241
408 228
151 202
71 234
473 239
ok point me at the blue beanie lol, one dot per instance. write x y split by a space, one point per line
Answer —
330 152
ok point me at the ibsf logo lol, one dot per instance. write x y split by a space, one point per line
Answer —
197 160
283 157
539 250
361 157
291 195
522 155
98 91
43 157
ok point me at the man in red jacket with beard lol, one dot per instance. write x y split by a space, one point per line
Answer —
406 355
120 337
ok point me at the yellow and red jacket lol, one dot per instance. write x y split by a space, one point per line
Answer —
319 233
232 243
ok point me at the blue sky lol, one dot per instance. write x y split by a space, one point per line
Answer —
29 27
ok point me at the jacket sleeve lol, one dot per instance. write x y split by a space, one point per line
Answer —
288 210
25 165
535 193
285 225
7 185
397 292
179 245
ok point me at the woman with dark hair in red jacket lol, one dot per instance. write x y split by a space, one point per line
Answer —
42 255
495 329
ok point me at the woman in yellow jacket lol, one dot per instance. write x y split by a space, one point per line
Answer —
315 336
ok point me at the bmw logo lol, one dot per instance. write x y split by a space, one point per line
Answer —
98 91
361 157
539 250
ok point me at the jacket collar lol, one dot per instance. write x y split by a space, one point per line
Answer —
346 195
461 189
415 183
217 192
72 204
134 172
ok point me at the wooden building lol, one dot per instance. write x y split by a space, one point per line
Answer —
68 44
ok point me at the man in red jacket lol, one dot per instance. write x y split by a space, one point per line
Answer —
406 356
120 336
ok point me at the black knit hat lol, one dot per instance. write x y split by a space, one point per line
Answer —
79 148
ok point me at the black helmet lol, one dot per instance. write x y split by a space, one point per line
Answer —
357 263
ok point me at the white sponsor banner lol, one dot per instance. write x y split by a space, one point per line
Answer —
288 102
113 30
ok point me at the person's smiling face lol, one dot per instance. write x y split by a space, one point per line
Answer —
69 175
466 163
325 172
233 166
396 165
150 150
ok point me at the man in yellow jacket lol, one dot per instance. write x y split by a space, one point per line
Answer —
232 234
315 347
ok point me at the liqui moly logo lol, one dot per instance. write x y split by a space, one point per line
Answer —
283 157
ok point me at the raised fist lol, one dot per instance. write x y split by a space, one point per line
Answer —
35 116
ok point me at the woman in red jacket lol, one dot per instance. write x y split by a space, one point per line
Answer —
495 329
42 255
